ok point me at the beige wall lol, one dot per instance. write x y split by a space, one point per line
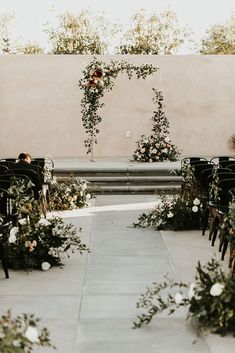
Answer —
40 105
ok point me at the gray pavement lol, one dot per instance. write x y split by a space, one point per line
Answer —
89 305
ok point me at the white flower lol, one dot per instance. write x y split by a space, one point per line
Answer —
142 150
32 334
170 215
178 298
23 221
44 222
150 161
164 150
16 343
88 196
191 291
154 151
167 139
145 141
81 193
45 266
196 202
194 208
153 216
13 232
216 289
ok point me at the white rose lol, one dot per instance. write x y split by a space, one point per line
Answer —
45 266
32 334
142 150
191 291
167 139
194 208
154 151
88 196
13 232
196 202
178 298
153 216
216 289
164 150
23 221
170 215
44 222
150 161
145 141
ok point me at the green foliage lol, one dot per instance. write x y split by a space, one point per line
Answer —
220 39
158 146
211 299
85 33
154 34
69 194
98 77
172 212
178 212
44 241
21 334
34 240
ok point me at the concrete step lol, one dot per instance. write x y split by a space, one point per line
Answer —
134 189
126 178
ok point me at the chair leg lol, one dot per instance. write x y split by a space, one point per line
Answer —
4 261
225 246
212 216
205 218
215 230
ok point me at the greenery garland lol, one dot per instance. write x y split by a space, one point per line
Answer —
157 147
98 77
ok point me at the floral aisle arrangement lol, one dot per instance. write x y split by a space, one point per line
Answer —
210 299
69 194
157 147
98 78
176 212
38 243
21 334
172 212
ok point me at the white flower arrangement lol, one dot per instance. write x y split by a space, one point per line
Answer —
210 299
157 147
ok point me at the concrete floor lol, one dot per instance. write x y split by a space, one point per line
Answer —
89 305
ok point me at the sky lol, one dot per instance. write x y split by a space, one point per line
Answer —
30 15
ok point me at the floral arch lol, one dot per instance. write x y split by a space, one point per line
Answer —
98 78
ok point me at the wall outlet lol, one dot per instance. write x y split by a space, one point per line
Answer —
128 133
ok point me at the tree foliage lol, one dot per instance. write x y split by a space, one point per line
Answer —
30 48
85 33
220 39
5 23
154 34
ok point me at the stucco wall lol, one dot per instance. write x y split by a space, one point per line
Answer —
40 105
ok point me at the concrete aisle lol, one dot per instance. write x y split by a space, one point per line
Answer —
89 306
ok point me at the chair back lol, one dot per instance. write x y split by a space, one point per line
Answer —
224 195
198 168
3 168
231 167
219 159
222 174
225 164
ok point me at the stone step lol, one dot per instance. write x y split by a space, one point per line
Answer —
127 178
135 189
